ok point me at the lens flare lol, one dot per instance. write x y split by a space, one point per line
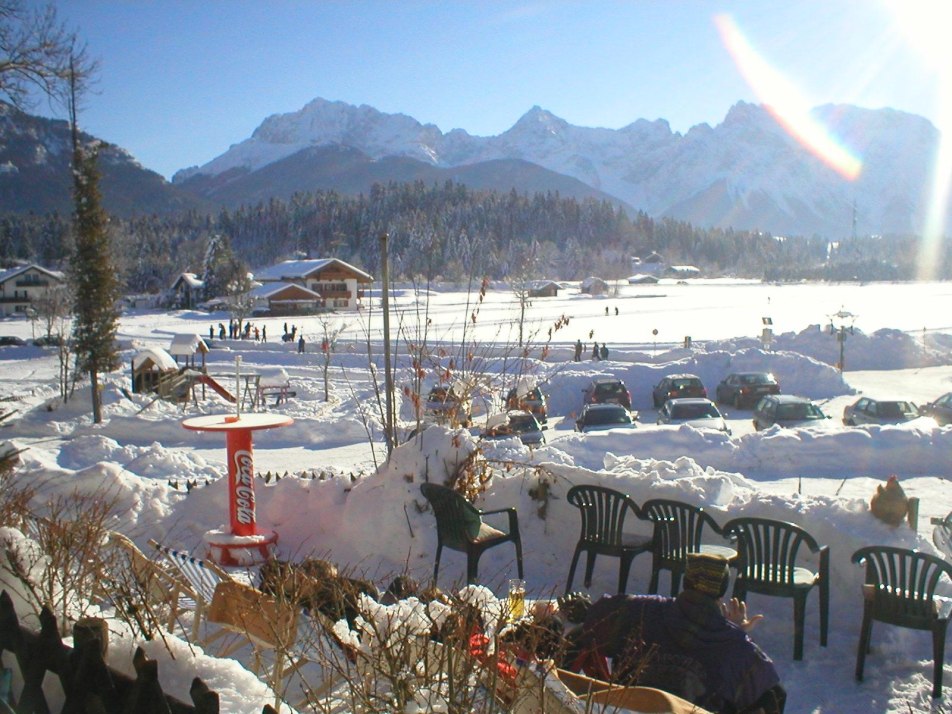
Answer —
785 102
924 26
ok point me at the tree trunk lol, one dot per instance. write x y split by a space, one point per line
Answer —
97 401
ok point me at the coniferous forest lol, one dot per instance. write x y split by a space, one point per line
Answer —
450 232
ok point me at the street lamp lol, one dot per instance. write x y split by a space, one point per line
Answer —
841 323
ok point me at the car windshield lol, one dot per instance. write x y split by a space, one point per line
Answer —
798 412
694 411
522 424
607 416
611 388
684 383
896 409
755 379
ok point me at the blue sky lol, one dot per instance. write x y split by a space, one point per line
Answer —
182 80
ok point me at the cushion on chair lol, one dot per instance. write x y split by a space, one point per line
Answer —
487 532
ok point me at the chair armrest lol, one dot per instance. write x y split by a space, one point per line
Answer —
513 518
825 563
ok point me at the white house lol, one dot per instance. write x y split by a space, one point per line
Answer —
339 284
19 287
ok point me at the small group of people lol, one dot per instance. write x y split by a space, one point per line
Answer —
598 352
237 331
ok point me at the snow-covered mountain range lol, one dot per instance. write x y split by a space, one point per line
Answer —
747 172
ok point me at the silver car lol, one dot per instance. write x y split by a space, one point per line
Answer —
699 413
874 411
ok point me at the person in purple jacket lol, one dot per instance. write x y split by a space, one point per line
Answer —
692 645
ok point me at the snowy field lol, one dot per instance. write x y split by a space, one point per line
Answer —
364 517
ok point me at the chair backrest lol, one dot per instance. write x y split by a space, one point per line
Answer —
457 520
201 576
902 582
261 618
603 512
150 578
768 549
681 526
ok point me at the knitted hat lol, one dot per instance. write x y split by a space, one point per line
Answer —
707 574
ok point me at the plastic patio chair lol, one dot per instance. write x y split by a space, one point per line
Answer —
603 511
900 590
678 530
460 526
768 554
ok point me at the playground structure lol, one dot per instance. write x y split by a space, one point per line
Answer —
155 370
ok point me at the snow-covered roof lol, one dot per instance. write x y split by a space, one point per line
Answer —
158 356
540 284
298 269
642 278
684 269
588 282
187 345
190 279
270 290
13 272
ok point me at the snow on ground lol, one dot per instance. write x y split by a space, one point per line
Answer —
332 504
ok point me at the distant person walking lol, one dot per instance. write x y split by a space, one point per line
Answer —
264 333
257 333
595 351
606 311
211 332
301 344
603 352
221 331
616 310
578 350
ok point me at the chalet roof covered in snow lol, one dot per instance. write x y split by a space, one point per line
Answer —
14 272
302 269
283 291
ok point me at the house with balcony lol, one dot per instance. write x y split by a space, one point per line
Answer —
339 285
21 287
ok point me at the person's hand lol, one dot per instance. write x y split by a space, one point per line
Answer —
736 612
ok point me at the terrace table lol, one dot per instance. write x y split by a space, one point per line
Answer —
243 544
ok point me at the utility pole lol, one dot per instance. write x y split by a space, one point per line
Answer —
387 368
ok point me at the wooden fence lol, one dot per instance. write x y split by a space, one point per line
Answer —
89 686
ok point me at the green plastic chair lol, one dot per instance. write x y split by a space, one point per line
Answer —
901 590
460 527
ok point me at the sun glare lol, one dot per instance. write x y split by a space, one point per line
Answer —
925 28
785 101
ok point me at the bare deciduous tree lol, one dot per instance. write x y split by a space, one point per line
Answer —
39 55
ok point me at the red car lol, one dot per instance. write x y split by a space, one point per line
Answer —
608 391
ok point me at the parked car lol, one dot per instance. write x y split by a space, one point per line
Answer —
11 341
532 401
515 422
443 404
700 413
746 388
599 417
608 391
940 409
786 410
677 386
49 341
873 411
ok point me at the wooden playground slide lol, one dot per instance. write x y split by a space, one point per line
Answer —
210 381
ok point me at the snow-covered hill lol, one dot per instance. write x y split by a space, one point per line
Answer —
747 172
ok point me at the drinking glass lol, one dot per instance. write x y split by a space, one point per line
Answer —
517 599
